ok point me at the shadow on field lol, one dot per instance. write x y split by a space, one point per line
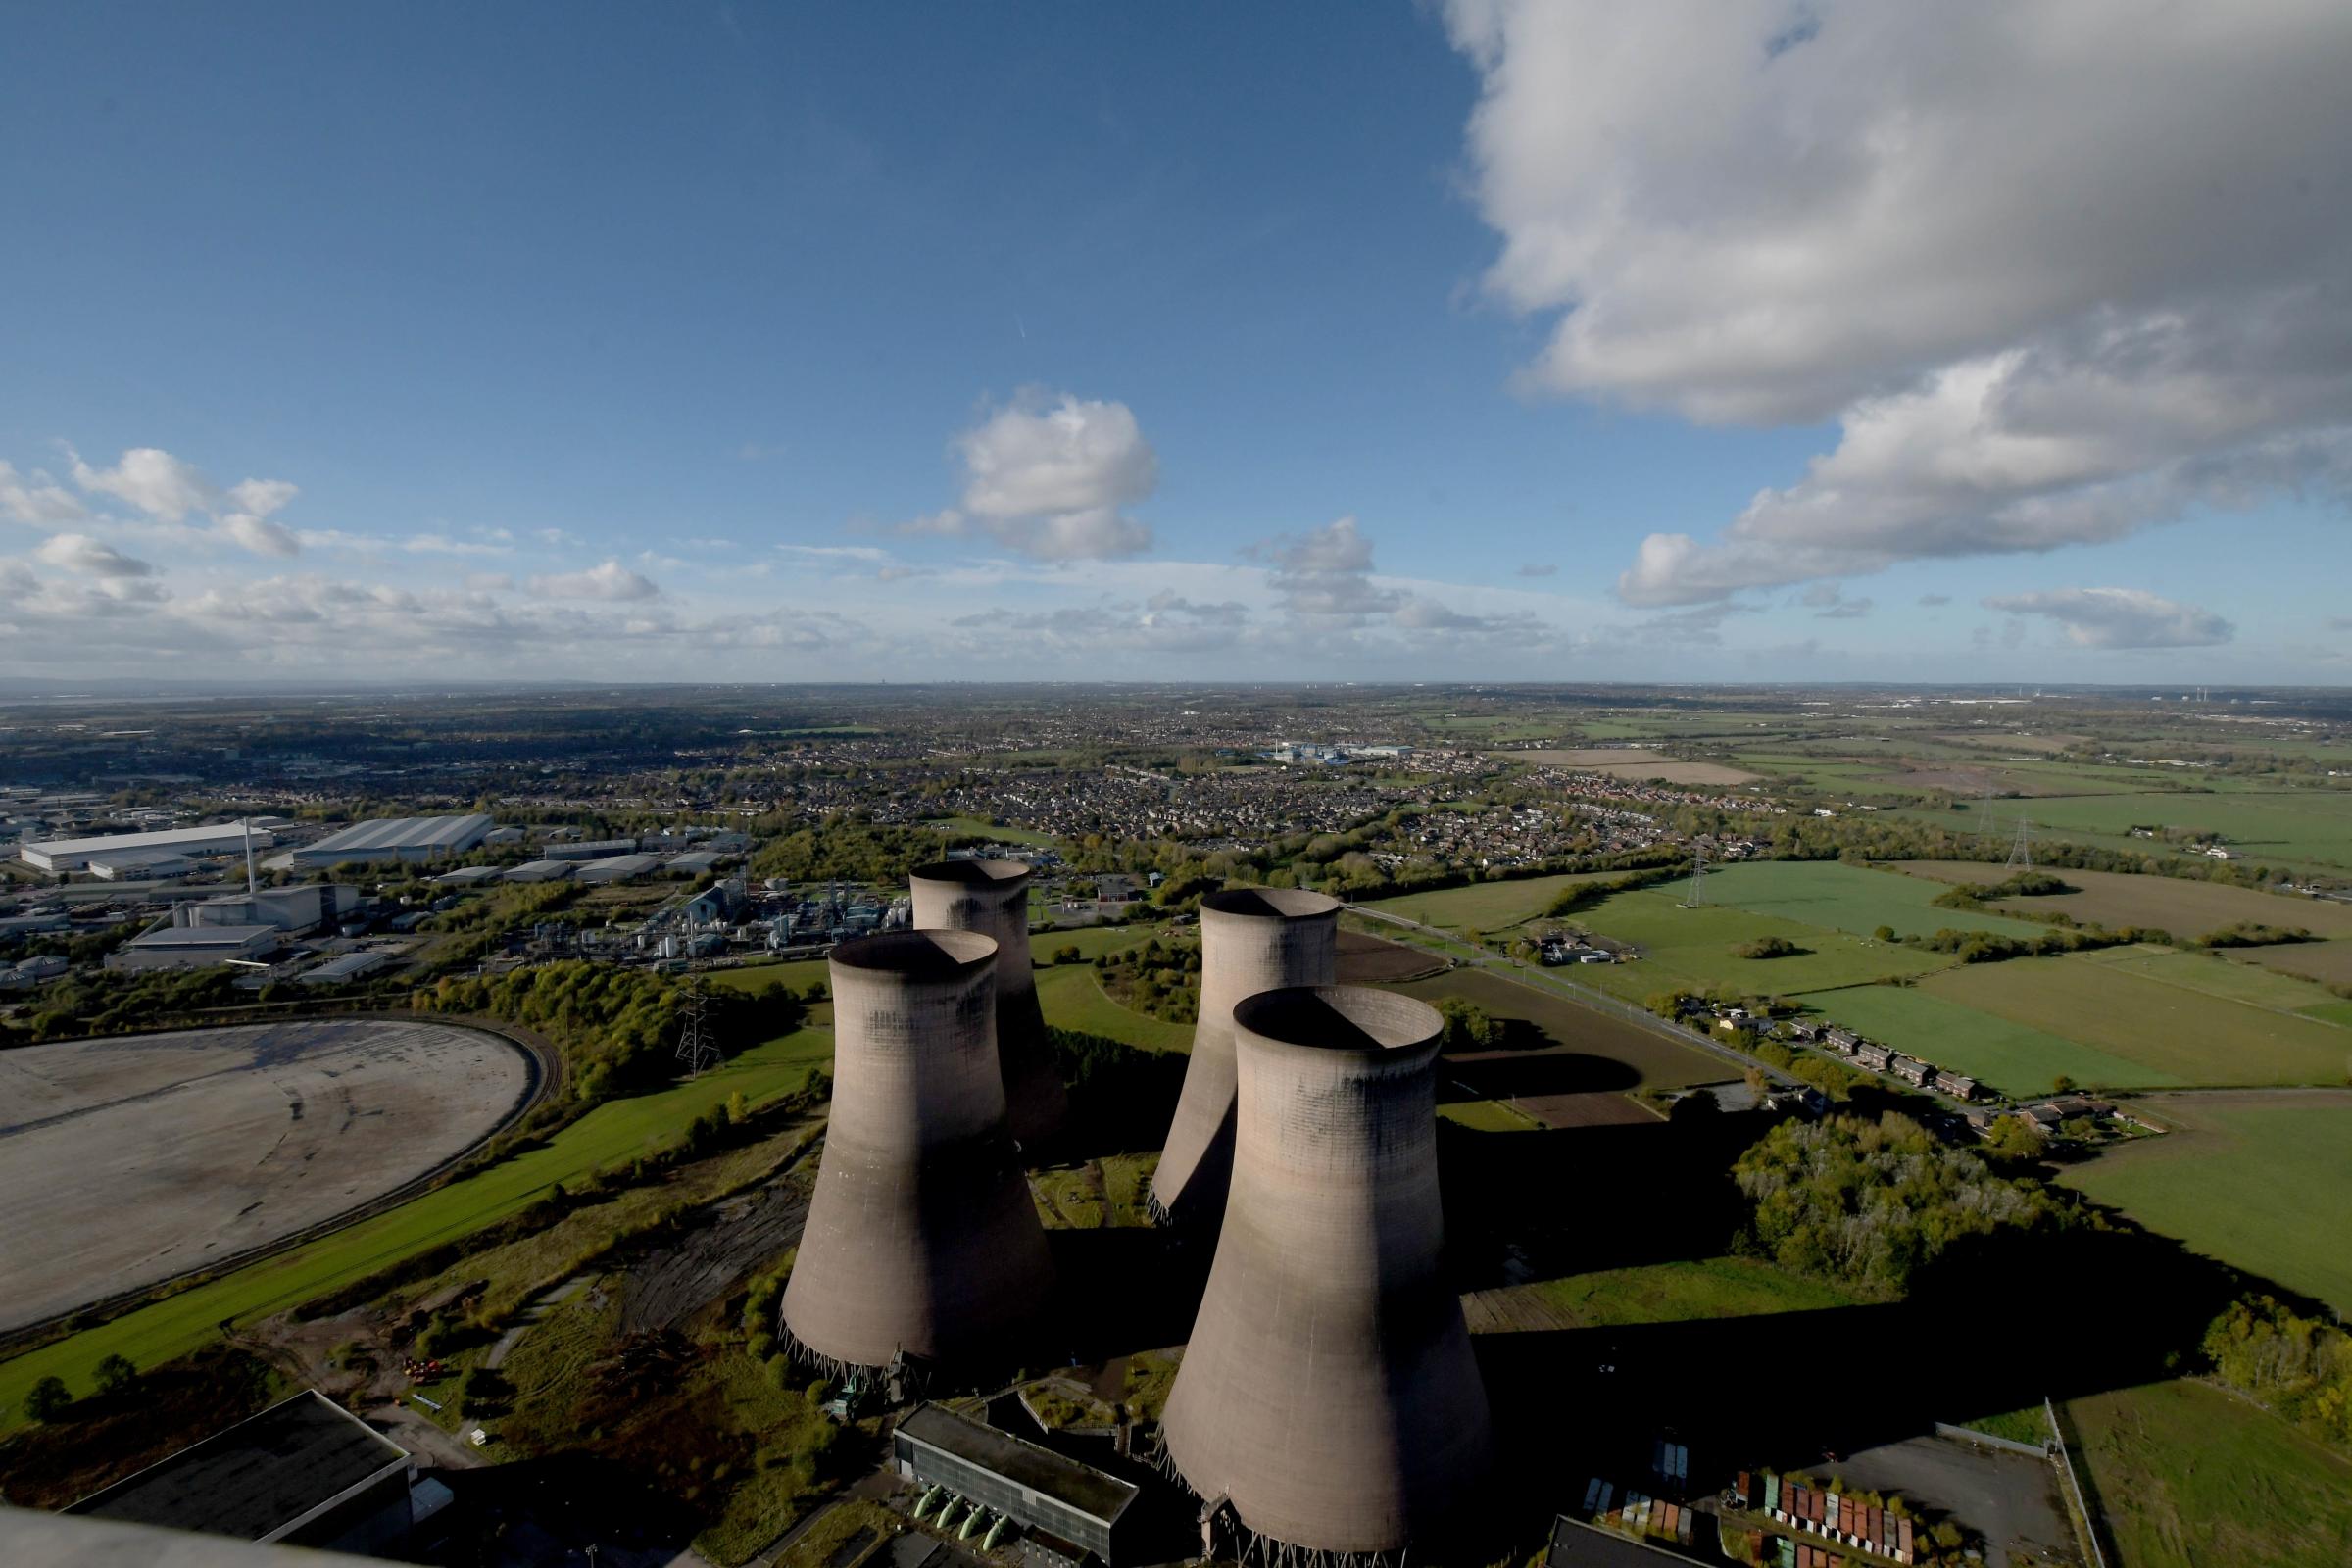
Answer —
1499 1075
1125 1290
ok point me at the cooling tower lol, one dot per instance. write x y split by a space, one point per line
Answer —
921 1238
1327 1397
1252 939
991 898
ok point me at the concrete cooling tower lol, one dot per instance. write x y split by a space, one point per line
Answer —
921 1238
991 898
1327 1408
1252 939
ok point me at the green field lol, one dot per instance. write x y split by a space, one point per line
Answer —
1689 1289
1854 899
1486 906
797 976
2188 1476
608 1135
2185 906
1693 947
2177 1034
2213 974
2307 826
1661 1062
2012 1058
1072 998
2262 1181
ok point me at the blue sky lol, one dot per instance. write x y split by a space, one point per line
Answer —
817 342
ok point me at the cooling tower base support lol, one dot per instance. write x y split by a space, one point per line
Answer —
905 1380
1246 1546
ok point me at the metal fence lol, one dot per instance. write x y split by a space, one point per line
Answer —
2074 1486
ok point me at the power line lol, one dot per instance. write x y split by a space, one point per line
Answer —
695 1049
2021 849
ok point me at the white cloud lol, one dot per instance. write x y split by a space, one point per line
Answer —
151 479
2017 251
442 544
611 582
2120 618
1052 479
37 499
79 552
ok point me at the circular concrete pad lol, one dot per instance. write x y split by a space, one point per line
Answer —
125 1162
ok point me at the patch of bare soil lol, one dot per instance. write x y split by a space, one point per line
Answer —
732 1240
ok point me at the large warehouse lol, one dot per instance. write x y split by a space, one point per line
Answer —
75 855
402 838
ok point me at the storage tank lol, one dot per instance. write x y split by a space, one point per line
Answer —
1252 939
1327 1397
991 898
921 1240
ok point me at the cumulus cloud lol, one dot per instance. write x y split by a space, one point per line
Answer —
2014 250
37 499
1828 601
610 582
1052 479
79 553
1325 578
2120 618
442 544
170 490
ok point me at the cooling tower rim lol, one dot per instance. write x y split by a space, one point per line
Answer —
919 954
1000 876
1268 903
1338 1020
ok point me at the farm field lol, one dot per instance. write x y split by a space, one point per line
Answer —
1693 947
2258 1180
1654 1060
2188 1476
2178 1035
2327 962
2216 975
2012 1058
2311 827
1853 898
1486 906
605 1136
2176 904
1679 1291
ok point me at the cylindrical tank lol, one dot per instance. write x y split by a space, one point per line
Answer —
1328 1393
991 898
921 1237
1252 939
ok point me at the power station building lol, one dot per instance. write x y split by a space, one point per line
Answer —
1328 1403
922 1246
991 898
1038 1490
1252 939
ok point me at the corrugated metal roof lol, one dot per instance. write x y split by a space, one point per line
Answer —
388 835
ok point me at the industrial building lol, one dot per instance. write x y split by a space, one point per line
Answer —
469 876
1038 1489
541 872
618 868
1252 939
922 1246
138 865
401 838
196 946
294 910
1328 1403
592 850
304 1472
58 855
345 968
991 898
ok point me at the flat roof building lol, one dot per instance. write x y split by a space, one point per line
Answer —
592 850
196 946
73 855
347 967
305 1472
1040 1489
619 869
398 838
540 871
138 865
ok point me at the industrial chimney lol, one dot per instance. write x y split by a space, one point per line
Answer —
1252 939
921 1240
1328 1403
991 898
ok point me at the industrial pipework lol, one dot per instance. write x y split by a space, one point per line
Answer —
921 1240
1328 1395
991 898
1252 939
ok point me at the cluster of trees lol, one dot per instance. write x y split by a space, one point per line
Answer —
2254 934
1869 1203
849 847
2027 884
1768 947
101 1002
1470 1027
616 1028
1162 981
1991 947
2299 1366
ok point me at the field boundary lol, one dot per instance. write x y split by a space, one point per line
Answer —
2092 1521
546 1072
1944 1429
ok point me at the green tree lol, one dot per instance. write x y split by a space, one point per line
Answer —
48 1400
2016 1140
115 1375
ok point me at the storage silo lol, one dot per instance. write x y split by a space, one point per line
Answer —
1252 939
1328 1407
921 1240
991 898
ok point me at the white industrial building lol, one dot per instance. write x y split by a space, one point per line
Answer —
73 855
138 865
401 838
294 910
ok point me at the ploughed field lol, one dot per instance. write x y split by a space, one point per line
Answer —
127 1161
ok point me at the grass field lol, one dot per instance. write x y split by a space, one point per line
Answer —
1072 998
2012 1058
2328 962
1692 1288
1693 947
605 1136
2309 826
1853 898
2263 1181
2217 975
2191 1477
2176 904
2178 1035
1486 906
1659 1061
